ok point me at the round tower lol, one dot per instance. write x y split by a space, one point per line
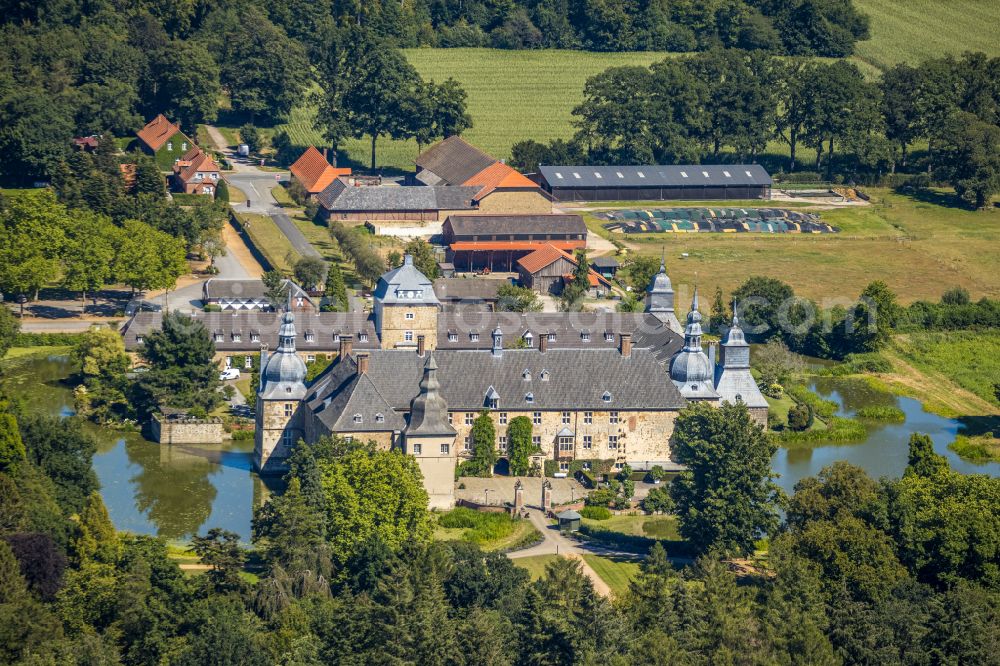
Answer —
279 416
690 369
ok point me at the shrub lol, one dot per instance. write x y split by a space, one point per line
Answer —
822 408
838 431
882 413
481 527
212 307
855 364
800 417
658 499
601 497
595 512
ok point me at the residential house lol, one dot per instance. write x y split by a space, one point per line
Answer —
314 172
196 173
250 295
164 140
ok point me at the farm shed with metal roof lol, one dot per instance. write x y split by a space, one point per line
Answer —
656 182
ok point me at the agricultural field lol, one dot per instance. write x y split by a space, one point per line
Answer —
912 30
920 246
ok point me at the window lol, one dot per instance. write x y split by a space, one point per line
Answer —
749 175
170 145
468 418
450 418
503 418
551 337
494 403
255 337
138 339
467 444
310 336
417 449
358 418
452 337
586 465
684 174
609 336
727 174
527 337
597 174
612 417
184 146
606 397
503 442
218 337
237 337
564 466
565 443
529 397
619 465
565 418
408 336
576 175
588 442
310 358
288 438
739 398
380 418
215 176
558 175
526 375
409 315
585 336
336 337
536 418
208 190
613 442
640 174
545 375
445 449
289 409
474 337
299 301
248 362
363 337
588 418
536 441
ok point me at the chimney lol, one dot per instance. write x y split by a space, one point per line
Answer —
363 363
626 346
421 346
711 355
346 346
543 342
324 155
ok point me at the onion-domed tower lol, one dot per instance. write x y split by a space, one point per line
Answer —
660 299
690 369
733 381
279 415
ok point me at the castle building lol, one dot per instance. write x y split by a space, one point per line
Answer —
596 387
660 299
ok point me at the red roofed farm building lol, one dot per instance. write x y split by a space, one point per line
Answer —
496 242
548 269
165 141
314 173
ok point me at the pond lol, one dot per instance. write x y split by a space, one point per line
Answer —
178 491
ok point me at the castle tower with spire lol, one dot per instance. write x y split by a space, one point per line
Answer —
733 381
405 307
430 439
660 299
279 418
690 369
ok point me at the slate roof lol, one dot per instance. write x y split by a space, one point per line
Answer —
681 175
574 380
157 132
323 327
467 289
507 225
453 161
314 172
569 329
732 382
405 284
342 196
215 290
347 394
606 261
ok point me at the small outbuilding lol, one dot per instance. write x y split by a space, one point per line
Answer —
607 266
569 521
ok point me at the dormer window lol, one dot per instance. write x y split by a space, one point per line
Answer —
609 336
529 397
237 337
606 397
551 337
452 336
528 338
358 418
218 337
363 337
545 375
526 375
585 336
336 337
138 339
310 336
474 337
255 337
380 418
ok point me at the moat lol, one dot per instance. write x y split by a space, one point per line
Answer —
178 491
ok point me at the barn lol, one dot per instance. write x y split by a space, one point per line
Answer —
656 182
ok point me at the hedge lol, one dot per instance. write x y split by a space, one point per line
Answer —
46 339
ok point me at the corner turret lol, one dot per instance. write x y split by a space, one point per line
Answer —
690 369
660 299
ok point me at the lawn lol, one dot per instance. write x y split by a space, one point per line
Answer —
952 372
617 573
535 565
491 531
21 352
267 237
913 30
284 199
236 195
919 245
654 527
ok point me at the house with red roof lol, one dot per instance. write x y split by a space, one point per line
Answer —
549 269
502 189
196 173
314 172
164 140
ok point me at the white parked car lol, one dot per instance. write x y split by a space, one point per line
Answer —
229 373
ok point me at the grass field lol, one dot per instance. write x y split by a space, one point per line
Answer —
491 531
912 30
616 573
535 565
21 352
920 246
654 527
268 238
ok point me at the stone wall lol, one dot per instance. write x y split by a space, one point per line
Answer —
271 447
186 431
642 435
395 324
